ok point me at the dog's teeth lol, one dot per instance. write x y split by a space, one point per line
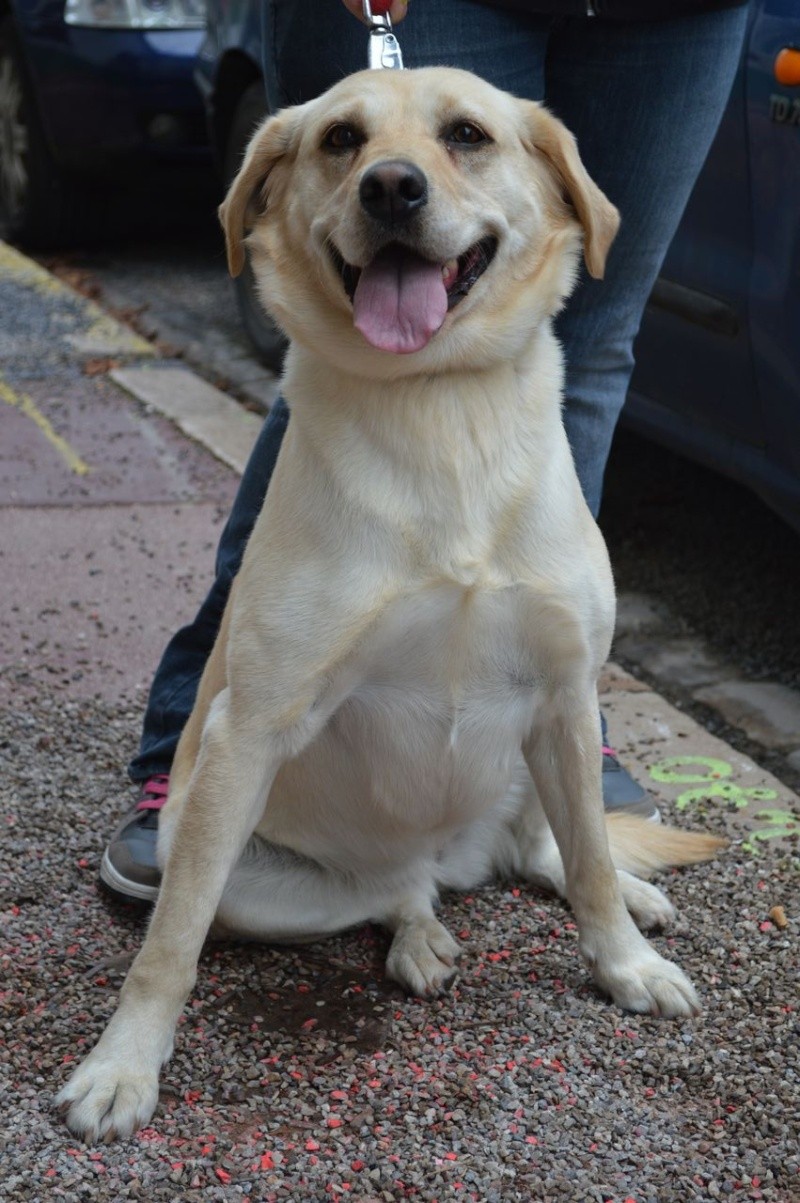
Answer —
450 272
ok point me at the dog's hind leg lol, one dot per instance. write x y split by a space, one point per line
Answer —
524 846
276 896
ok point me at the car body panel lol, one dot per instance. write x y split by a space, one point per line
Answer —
721 382
98 90
774 131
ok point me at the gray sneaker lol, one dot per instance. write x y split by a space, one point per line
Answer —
620 792
129 868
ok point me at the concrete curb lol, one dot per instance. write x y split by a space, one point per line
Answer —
198 409
103 334
692 772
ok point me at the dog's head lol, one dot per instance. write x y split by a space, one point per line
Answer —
406 219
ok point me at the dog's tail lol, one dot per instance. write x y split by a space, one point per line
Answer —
643 847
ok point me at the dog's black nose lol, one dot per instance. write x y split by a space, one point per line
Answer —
393 190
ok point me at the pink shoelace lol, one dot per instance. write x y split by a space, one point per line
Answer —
154 792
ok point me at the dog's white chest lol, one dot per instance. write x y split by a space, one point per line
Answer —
435 705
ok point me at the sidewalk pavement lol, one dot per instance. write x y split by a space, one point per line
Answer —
117 469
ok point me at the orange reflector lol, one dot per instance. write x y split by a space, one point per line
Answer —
787 67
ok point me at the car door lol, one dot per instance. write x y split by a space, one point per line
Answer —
694 385
773 113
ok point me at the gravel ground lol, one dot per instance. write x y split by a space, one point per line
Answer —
300 1074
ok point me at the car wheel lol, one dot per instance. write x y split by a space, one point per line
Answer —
269 342
39 204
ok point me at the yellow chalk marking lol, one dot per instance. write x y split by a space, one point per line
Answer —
25 271
103 335
25 405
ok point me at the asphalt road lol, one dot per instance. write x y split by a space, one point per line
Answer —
706 550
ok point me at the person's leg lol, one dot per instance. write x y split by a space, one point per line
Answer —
174 686
644 102
311 44
129 867
308 46
305 54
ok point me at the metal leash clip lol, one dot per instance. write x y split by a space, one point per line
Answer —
384 48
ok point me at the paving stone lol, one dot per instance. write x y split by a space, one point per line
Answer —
73 320
614 679
199 409
689 770
767 712
92 594
686 662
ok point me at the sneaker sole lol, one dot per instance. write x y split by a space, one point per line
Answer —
650 813
123 886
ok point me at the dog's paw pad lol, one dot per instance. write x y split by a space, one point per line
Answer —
105 1101
423 958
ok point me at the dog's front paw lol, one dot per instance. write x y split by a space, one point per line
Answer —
646 983
423 958
107 1098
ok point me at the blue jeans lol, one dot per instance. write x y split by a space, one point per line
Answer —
644 101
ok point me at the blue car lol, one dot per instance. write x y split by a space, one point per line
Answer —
92 91
718 355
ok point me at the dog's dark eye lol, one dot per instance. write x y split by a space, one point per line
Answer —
343 136
466 133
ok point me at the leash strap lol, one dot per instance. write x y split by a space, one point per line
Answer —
384 48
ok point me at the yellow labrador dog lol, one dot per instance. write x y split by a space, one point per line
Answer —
403 694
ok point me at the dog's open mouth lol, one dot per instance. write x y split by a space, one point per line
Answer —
401 299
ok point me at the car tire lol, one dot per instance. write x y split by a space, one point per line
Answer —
40 205
269 342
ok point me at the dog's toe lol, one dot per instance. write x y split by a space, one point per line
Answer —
105 1101
423 958
650 985
648 906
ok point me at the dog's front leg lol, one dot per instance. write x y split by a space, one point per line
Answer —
115 1090
563 755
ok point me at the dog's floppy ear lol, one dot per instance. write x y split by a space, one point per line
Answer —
599 218
270 143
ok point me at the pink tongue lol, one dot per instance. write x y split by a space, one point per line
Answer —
400 301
